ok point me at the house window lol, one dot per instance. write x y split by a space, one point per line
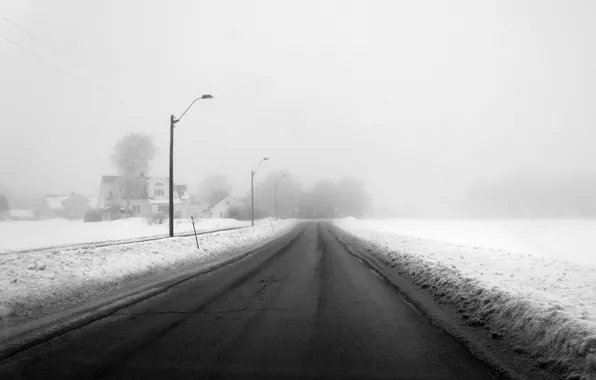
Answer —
136 209
158 192
110 195
221 214
163 209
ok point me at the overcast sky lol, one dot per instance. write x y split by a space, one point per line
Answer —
417 98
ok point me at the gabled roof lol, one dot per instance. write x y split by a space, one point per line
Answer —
235 200
73 195
55 201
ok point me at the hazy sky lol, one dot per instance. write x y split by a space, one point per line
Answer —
417 98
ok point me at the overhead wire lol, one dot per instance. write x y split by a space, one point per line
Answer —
32 53
30 34
64 70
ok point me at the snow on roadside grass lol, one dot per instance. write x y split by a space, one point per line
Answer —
545 305
23 235
34 284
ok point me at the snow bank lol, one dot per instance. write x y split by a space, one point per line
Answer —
37 283
17 236
544 305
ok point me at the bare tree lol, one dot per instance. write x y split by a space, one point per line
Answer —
133 154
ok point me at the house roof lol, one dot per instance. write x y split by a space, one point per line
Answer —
73 195
55 201
229 197
136 188
3 203
109 178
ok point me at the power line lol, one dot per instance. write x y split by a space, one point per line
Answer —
30 34
33 54
78 76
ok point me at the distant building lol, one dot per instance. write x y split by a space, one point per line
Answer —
221 209
141 196
51 207
73 206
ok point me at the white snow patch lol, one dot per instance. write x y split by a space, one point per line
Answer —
563 239
540 301
24 235
34 282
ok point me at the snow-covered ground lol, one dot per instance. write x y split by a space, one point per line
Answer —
36 283
25 235
541 292
563 239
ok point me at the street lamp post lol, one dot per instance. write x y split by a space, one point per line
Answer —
173 122
252 191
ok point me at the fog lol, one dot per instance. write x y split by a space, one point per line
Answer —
420 100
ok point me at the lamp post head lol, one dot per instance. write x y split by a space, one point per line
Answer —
207 96
265 159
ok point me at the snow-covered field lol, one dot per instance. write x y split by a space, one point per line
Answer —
535 281
563 239
41 282
24 235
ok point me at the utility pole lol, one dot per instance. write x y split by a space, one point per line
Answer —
173 122
252 197
171 195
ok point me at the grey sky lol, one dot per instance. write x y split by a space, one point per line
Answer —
417 98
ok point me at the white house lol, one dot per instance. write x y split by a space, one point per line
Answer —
222 208
143 196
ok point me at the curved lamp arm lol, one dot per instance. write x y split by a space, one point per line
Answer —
260 162
206 96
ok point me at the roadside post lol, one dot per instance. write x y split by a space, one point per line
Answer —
195 230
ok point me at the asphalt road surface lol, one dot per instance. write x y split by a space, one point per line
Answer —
311 310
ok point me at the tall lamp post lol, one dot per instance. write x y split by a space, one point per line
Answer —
173 122
275 193
252 191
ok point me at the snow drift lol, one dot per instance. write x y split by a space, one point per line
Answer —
545 306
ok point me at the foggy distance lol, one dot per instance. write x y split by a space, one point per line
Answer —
420 101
